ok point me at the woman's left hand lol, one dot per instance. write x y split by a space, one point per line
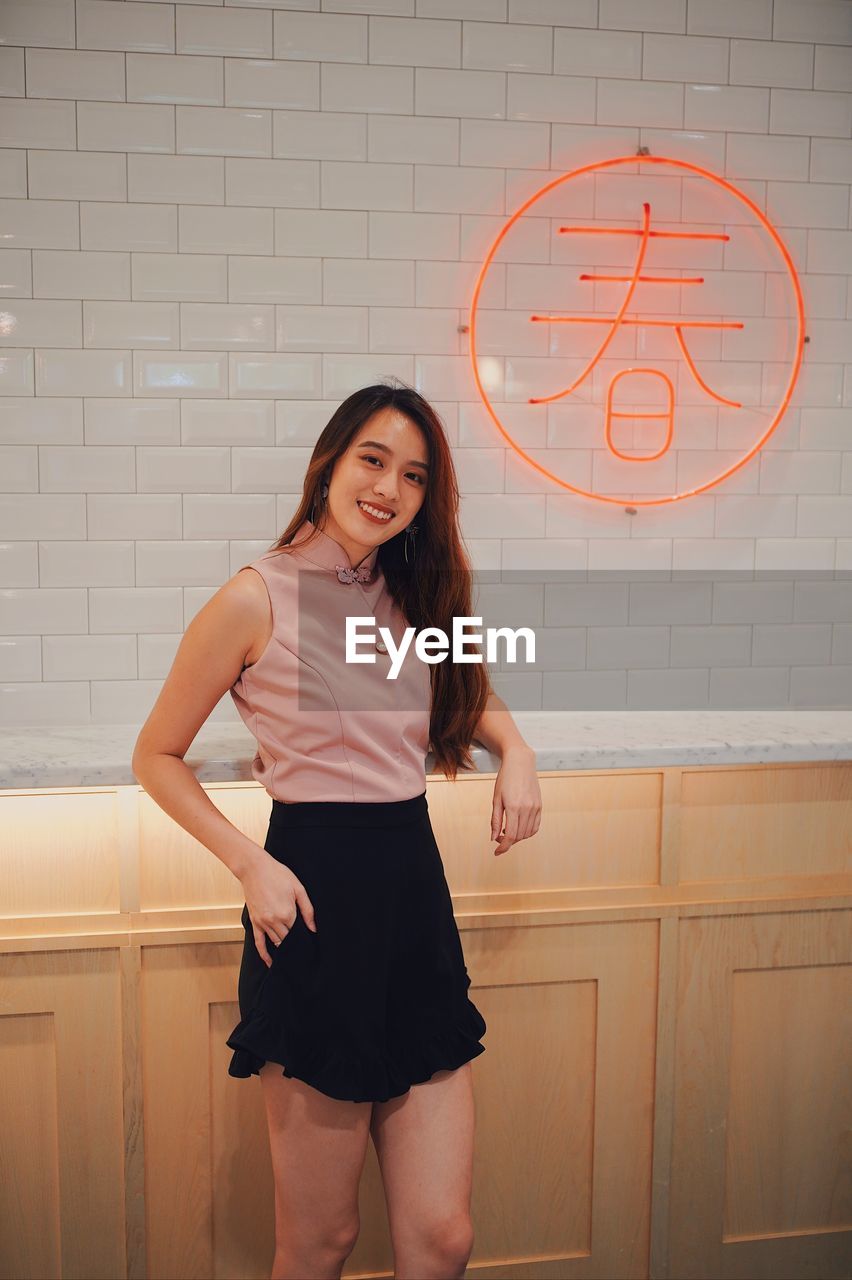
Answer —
517 798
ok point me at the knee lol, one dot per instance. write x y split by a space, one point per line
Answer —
333 1244
461 1241
347 1239
450 1243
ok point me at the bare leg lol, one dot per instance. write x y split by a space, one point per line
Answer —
318 1146
424 1143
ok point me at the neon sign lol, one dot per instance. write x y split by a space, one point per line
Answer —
740 217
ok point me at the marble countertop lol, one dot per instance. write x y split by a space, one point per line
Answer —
99 754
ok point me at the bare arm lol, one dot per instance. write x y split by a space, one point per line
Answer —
517 793
209 659
497 731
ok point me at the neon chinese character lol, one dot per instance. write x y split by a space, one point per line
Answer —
640 274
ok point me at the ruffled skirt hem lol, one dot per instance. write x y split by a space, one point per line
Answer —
413 1059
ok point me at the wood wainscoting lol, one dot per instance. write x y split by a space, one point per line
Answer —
666 975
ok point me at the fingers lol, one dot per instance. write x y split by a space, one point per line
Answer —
510 833
533 821
276 931
522 822
278 935
269 924
306 907
496 817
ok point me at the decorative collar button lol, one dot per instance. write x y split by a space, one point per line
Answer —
347 574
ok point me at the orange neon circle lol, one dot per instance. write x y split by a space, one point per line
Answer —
800 320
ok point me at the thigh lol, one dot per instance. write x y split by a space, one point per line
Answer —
318 1147
424 1144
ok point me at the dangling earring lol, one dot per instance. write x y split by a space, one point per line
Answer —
323 497
411 531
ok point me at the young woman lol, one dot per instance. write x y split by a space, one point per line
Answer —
359 1023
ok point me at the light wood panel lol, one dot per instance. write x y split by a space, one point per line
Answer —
593 834
664 971
562 1140
61 853
750 822
761 1172
61 1115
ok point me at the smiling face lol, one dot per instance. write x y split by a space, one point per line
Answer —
378 485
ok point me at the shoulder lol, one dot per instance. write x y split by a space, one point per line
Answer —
252 579
247 598
251 591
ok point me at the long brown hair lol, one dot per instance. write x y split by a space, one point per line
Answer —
440 585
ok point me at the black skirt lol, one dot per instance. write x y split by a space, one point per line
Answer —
377 999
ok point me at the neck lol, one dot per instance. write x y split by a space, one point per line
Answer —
356 551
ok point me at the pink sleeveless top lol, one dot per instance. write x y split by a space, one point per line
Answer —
327 729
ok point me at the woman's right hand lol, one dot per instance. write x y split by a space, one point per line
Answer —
272 894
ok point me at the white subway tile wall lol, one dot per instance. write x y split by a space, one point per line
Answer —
219 219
